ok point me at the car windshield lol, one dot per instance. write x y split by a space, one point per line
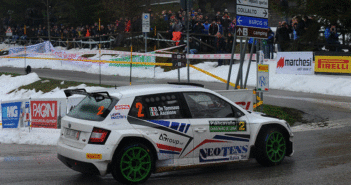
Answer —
93 108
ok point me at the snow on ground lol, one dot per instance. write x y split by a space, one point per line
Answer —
330 84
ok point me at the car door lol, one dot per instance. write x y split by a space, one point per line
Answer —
162 119
220 129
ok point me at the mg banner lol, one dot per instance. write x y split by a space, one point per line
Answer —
333 64
10 114
44 114
300 63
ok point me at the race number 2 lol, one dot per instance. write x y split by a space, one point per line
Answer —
139 106
101 108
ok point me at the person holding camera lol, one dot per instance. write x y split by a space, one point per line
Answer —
332 38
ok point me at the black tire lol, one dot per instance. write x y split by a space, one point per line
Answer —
271 145
133 164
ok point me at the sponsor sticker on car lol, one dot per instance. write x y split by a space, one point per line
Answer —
93 156
122 107
118 115
227 126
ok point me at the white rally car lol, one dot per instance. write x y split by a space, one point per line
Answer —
134 131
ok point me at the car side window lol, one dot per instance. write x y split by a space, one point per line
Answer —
157 106
206 105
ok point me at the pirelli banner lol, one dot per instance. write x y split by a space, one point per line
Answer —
295 63
332 64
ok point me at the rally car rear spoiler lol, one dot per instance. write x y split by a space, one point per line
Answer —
98 96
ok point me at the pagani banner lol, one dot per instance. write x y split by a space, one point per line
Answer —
332 64
300 63
44 114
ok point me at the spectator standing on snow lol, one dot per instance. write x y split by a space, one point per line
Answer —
177 31
270 41
332 37
225 23
283 36
219 44
277 37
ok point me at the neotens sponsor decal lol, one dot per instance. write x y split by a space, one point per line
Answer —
118 116
163 137
122 107
223 153
227 126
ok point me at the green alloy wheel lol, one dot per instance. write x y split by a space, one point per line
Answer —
276 147
270 147
134 164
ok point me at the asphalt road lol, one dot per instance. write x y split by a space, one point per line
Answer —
318 107
321 157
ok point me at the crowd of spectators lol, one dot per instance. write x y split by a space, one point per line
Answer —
176 22
215 30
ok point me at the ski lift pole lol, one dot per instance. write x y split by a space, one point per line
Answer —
242 57
231 60
99 52
187 39
248 67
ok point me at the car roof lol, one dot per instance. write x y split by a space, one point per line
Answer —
138 90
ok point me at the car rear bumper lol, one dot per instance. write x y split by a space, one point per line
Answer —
76 158
79 166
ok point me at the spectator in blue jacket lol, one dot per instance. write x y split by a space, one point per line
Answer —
332 37
220 27
270 42
252 45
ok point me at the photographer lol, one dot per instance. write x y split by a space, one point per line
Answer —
332 38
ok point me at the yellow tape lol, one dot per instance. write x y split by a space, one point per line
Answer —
125 62
212 75
258 98
254 92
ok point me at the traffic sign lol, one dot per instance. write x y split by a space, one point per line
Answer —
146 22
252 11
263 77
251 21
257 3
251 32
179 60
9 32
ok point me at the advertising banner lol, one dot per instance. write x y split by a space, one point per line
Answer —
263 77
134 59
244 98
27 114
300 63
44 114
10 114
333 64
